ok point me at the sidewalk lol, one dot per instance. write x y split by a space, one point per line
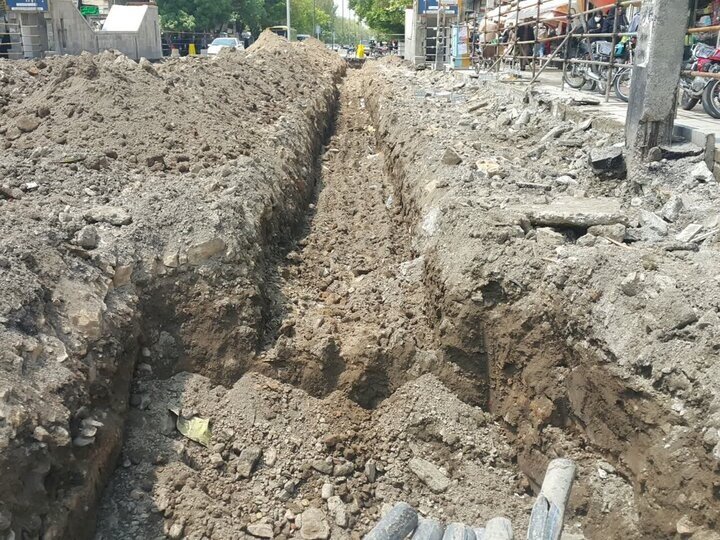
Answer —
694 125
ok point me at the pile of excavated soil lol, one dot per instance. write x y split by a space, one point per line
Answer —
589 297
139 203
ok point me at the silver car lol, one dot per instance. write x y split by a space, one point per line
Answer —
221 43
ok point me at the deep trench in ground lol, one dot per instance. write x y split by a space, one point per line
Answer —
345 308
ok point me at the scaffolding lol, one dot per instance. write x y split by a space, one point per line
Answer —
561 33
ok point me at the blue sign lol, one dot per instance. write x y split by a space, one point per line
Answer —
28 5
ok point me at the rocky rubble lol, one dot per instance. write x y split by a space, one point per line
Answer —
587 301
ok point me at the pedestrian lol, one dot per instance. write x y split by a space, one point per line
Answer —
542 34
595 24
525 33
608 25
635 22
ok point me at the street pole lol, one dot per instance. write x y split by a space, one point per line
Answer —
287 16
658 62
314 25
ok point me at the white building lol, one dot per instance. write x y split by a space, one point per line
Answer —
43 27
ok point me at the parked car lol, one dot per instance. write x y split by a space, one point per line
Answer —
303 37
221 43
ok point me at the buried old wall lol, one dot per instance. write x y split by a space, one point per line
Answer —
144 246
581 309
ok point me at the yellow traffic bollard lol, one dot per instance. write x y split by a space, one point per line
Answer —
361 51
191 50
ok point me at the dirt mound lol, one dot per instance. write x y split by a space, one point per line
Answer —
139 204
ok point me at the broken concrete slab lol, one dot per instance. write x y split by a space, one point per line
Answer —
577 212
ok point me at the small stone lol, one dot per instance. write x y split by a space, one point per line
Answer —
701 173
322 466
343 469
247 460
672 208
327 491
549 237
216 460
314 525
337 509
260 530
430 475
655 154
653 224
176 531
370 470
270 457
108 214
450 157
685 526
27 124
632 284
613 232
88 237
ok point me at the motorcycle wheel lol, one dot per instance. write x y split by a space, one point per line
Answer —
687 101
574 76
622 85
711 99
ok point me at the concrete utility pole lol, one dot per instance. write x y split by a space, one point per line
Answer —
655 79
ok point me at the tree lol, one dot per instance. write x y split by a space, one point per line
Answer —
385 16
195 15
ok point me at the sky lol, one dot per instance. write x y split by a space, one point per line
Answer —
349 14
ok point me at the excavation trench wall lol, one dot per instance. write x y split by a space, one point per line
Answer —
532 319
154 254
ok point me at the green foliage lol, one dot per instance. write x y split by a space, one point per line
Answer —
256 15
384 16
195 15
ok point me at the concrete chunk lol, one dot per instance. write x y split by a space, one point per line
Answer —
689 232
430 475
608 161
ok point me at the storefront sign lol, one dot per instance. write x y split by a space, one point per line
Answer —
431 6
26 5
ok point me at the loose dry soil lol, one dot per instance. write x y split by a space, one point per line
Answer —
392 286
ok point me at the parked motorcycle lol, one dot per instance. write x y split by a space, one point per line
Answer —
693 89
579 75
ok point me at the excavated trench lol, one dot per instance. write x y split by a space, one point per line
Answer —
345 301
